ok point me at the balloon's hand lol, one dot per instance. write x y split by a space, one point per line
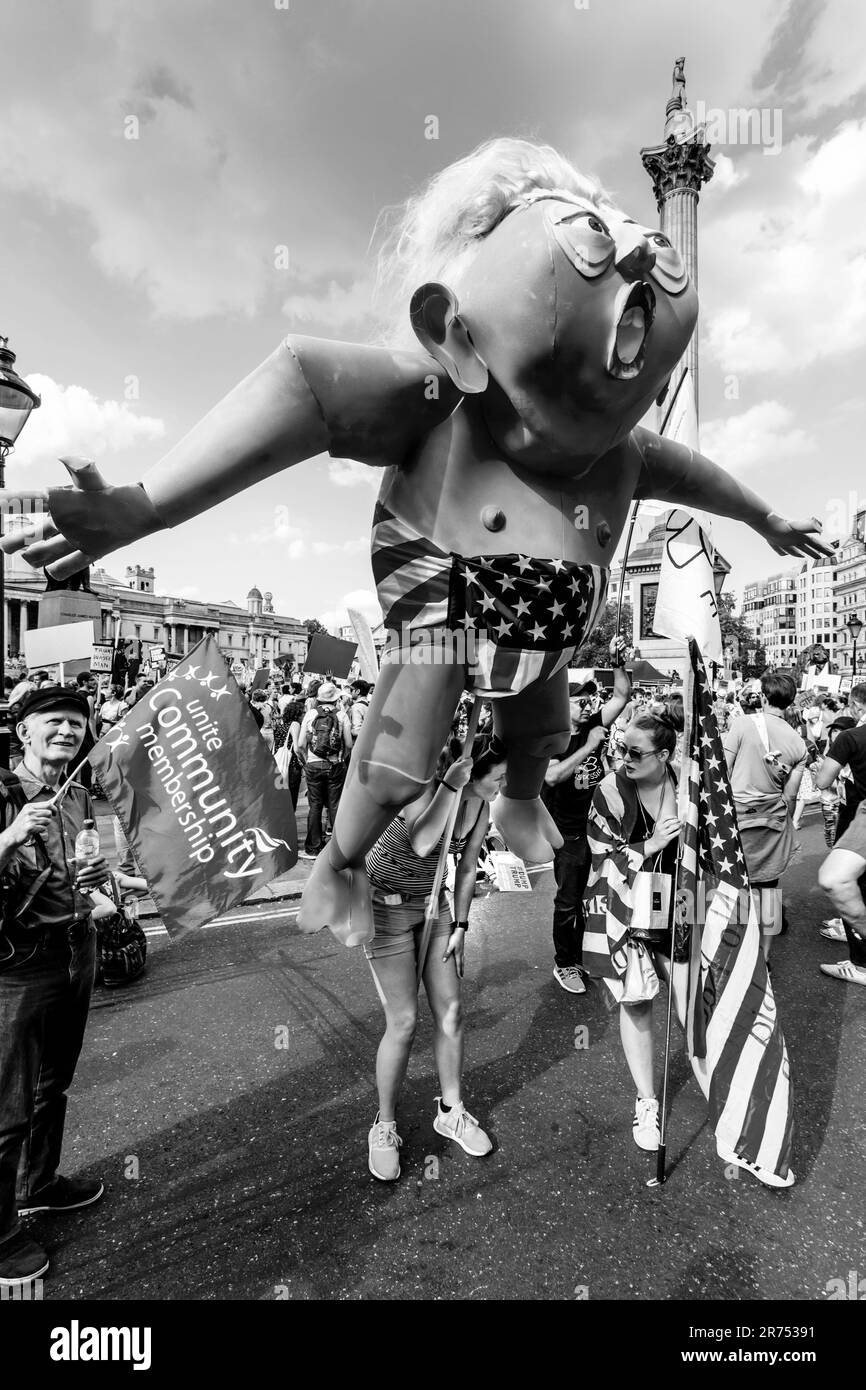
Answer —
79 524
795 537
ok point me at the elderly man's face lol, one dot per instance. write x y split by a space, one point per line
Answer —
54 735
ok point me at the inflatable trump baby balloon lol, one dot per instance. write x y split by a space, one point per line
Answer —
546 322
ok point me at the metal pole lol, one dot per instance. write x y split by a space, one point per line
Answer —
432 910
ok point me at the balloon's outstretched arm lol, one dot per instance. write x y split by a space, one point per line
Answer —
675 473
310 396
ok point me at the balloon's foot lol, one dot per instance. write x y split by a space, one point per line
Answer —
338 899
527 828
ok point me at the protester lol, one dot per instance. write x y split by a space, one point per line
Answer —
360 696
324 745
633 828
47 957
112 710
263 715
569 785
24 686
848 749
765 759
402 867
842 876
843 774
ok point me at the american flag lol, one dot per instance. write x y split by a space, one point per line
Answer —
528 617
734 1037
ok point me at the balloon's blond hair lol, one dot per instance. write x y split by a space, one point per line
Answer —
436 233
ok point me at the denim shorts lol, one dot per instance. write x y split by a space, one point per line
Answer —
400 926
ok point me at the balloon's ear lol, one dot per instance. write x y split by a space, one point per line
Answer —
439 328
663 392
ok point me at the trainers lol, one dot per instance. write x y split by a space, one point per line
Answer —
463 1128
21 1261
764 1175
570 978
383 1150
847 971
833 930
64 1194
645 1125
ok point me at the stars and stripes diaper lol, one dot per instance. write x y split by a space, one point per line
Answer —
518 619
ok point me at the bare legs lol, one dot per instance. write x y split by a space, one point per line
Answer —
636 1029
396 976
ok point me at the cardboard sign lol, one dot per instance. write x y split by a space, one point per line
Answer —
329 656
47 646
102 658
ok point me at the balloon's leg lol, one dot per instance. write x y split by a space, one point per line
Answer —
403 734
534 725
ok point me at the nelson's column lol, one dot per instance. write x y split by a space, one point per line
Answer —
679 168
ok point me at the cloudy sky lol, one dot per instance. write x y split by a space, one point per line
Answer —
141 277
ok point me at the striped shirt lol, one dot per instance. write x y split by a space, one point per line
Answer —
395 867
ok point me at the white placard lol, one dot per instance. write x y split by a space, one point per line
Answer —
45 646
102 658
511 875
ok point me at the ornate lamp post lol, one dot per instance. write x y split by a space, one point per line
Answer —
855 627
17 400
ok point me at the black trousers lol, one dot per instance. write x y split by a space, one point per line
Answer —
571 865
324 788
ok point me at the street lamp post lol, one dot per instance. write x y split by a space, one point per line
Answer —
855 627
17 399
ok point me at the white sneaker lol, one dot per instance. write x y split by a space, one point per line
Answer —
463 1128
645 1125
847 971
764 1175
570 978
383 1150
833 930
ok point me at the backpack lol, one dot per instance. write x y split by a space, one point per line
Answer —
326 736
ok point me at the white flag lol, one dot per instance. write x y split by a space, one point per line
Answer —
686 604
367 658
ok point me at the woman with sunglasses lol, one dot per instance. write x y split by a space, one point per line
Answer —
633 826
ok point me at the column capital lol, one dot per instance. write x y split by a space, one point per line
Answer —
678 166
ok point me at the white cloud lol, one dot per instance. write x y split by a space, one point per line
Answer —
726 174
337 310
72 421
761 435
798 295
364 600
353 547
350 473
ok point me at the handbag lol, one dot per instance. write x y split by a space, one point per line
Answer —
640 983
651 902
121 945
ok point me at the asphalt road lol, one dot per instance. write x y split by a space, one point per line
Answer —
237 1168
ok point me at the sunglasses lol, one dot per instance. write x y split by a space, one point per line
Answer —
634 755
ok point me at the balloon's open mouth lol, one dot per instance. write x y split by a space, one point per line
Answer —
636 308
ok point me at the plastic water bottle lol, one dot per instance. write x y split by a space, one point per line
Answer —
86 847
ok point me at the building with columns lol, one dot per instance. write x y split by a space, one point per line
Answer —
130 609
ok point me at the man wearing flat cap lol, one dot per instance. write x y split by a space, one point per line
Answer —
47 958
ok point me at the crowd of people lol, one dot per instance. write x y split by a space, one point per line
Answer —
612 793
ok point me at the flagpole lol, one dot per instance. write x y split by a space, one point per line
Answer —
432 908
688 720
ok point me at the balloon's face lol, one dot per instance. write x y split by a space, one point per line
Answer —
580 315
